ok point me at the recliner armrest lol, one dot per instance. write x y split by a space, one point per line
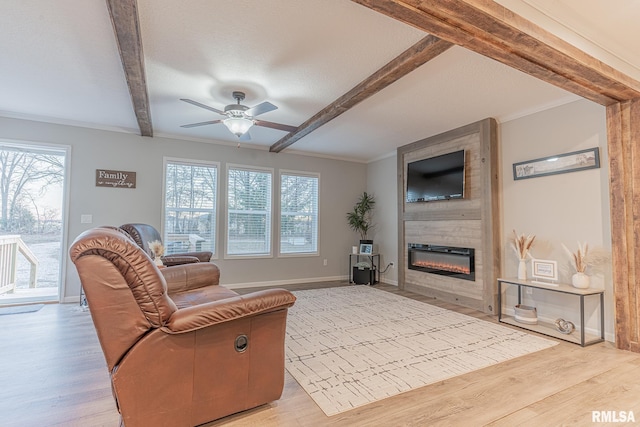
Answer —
203 256
191 276
204 315
172 260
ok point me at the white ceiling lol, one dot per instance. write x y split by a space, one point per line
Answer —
59 63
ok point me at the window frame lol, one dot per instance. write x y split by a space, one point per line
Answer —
269 227
216 208
289 172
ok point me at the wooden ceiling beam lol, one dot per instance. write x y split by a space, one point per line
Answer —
412 58
492 30
126 26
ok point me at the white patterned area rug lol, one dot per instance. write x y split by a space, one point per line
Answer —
350 346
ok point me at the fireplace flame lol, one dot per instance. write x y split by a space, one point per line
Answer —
454 268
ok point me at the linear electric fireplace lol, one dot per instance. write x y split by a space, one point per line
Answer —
444 260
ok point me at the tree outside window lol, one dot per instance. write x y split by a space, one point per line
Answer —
248 211
25 177
190 206
31 205
298 213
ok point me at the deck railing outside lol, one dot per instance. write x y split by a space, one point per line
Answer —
10 246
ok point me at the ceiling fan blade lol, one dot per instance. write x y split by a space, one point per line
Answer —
193 125
277 126
206 107
261 108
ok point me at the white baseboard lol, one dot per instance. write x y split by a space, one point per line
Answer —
284 282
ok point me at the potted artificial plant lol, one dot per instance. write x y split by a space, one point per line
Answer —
360 217
360 221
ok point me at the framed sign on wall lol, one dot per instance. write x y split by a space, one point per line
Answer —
115 179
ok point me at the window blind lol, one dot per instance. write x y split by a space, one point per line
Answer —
298 213
190 207
248 212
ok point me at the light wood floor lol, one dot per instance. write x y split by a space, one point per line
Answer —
52 373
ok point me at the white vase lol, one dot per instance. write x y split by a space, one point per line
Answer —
522 270
580 280
158 262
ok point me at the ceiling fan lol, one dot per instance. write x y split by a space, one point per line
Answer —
239 118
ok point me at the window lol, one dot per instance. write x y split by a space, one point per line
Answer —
298 213
191 190
249 211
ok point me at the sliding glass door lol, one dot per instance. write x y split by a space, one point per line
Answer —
32 182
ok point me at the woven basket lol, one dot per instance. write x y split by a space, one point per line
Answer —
526 314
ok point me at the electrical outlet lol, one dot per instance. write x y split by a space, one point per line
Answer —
324 262
529 290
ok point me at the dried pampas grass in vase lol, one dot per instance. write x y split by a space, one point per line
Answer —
157 250
521 245
580 262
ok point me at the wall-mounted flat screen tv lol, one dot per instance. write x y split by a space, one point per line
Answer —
436 178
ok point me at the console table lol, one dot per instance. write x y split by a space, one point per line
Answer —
579 336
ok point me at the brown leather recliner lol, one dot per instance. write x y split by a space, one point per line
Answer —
181 350
142 234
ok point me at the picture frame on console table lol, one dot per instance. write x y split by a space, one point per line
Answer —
543 269
560 163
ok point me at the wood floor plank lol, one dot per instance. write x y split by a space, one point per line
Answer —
53 373
611 390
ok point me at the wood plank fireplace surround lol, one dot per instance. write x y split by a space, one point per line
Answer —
467 229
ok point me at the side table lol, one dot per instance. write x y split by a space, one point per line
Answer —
374 259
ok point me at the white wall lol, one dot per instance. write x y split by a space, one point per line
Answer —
341 183
563 208
382 183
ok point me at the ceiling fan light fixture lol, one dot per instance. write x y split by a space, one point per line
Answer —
239 118
238 125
